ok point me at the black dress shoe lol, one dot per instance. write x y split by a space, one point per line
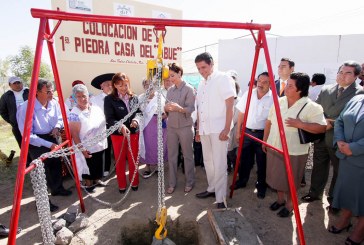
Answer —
309 198
221 205
122 191
284 213
4 232
90 189
134 188
52 207
62 192
205 194
261 194
275 206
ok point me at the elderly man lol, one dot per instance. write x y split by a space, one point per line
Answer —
215 102
261 101
47 122
9 102
333 99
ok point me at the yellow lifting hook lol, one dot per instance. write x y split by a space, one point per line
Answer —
161 219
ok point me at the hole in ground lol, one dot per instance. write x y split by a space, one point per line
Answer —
142 234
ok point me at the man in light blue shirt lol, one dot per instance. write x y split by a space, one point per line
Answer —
46 125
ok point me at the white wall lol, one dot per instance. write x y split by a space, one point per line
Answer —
312 54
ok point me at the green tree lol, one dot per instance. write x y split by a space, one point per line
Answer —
21 65
4 67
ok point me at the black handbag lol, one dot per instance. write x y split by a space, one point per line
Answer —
307 137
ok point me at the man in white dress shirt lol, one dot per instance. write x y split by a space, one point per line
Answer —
260 103
215 100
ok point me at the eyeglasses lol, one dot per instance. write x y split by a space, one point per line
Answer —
49 92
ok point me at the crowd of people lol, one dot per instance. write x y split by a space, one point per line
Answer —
213 116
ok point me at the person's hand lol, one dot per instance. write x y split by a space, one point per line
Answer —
172 106
224 135
329 123
197 137
56 132
344 148
293 122
53 146
86 154
264 148
134 123
124 130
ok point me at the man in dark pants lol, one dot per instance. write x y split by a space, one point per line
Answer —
261 101
9 102
47 122
333 99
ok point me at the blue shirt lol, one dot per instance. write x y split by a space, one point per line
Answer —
44 121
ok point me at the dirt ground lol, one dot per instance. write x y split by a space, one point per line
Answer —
186 214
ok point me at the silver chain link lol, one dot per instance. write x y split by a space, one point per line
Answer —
161 188
39 183
38 177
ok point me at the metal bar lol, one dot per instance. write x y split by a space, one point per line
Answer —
54 29
263 142
61 15
64 115
31 167
241 141
253 35
287 162
26 135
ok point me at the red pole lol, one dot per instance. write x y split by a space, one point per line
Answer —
26 136
61 15
241 141
292 187
64 114
33 166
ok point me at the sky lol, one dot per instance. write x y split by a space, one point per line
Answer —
287 17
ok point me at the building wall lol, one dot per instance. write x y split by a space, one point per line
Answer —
86 50
312 54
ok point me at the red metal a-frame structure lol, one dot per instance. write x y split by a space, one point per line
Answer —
44 33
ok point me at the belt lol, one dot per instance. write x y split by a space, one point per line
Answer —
255 130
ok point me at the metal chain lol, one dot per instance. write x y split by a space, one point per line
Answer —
161 188
38 179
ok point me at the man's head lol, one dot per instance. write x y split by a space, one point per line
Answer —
15 84
44 90
298 85
318 79
348 73
204 64
285 68
263 83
